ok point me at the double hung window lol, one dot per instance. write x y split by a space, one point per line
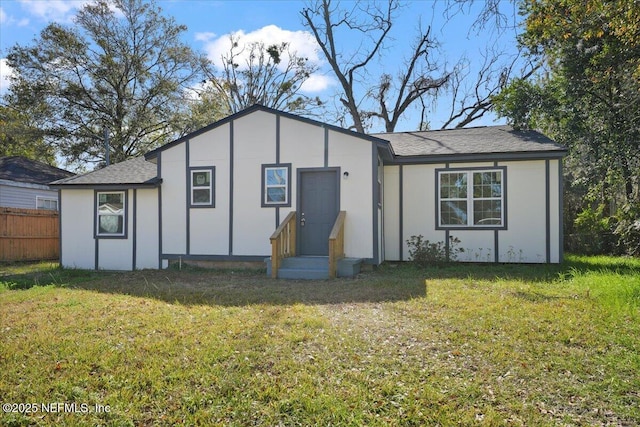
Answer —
471 198
111 209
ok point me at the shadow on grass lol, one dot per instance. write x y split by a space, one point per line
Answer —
390 282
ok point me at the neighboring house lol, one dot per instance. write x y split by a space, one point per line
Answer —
219 193
24 183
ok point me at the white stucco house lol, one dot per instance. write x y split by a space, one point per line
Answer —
219 194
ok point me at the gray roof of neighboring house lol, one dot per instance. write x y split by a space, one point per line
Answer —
470 141
21 169
136 171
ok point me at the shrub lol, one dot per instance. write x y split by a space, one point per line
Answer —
424 253
628 229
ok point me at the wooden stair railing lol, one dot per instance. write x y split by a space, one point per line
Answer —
336 244
283 242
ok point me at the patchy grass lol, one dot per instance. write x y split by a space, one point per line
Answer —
473 345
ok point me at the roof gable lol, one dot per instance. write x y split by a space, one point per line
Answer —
257 107
21 169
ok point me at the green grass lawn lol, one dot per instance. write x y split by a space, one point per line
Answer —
457 345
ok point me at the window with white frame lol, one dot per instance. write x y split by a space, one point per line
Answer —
111 208
471 198
48 203
202 182
276 190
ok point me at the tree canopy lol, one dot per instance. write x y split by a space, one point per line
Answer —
121 67
589 98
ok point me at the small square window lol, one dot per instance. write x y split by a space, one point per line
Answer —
276 189
202 187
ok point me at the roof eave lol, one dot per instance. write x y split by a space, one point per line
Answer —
479 157
153 183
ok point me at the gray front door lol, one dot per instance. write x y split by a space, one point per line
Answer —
318 206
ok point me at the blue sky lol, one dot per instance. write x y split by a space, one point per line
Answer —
210 23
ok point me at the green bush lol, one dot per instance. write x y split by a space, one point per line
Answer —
628 229
423 253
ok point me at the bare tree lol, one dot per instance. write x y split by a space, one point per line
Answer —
269 75
471 101
371 22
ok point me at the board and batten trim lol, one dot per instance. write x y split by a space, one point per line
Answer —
159 174
134 232
401 211
187 198
547 201
231 185
560 211
374 202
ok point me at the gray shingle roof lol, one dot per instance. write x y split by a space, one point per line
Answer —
21 169
134 171
479 140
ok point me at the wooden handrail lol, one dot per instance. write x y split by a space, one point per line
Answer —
283 242
336 244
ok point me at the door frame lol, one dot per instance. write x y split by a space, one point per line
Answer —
299 173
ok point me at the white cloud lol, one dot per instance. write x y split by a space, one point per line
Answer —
7 20
300 42
205 37
53 10
5 73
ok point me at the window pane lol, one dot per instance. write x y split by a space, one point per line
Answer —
201 196
276 176
111 224
276 195
453 213
201 179
110 203
487 184
453 186
487 212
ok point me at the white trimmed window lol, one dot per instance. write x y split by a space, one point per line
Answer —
275 185
202 187
47 203
111 213
471 198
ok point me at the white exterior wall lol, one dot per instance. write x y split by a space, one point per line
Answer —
356 191
254 144
392 212
524 240
76 231
147 237
209 226
258 139
174 189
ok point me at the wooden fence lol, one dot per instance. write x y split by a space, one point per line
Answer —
29 234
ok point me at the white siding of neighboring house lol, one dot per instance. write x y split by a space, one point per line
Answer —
23 195
524 240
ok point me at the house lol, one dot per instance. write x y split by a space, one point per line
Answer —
218 194
24 183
